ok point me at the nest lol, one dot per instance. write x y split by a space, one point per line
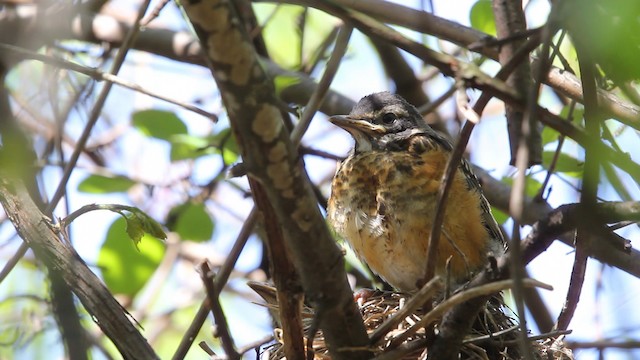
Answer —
494 334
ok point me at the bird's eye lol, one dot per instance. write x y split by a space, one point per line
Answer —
389 118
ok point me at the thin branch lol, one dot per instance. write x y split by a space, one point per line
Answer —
97 108
100 75
417 300
510 19
222 329
589 194
13 261
323 86
221 279
604 344
272 161
37 232
459 298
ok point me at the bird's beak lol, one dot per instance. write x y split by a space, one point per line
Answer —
348 123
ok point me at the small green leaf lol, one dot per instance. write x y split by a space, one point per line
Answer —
482 18
191 221
134 228
158 124
152 227
98 184
139 223
126 270
282 82
566 164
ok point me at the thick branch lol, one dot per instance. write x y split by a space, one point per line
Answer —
510 20
271 159
35 230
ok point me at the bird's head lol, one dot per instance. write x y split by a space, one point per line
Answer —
380 119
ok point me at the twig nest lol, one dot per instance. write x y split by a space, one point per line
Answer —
494 334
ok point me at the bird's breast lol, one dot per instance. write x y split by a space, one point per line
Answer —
383 204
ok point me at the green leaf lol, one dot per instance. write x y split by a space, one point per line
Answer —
139 223
482 18
152 227
500 216
98 184
281 31
566 164
229 145
577 114
191 221
282 82
185 147
549 135
134 228
126 270
609 32
158 124
532 186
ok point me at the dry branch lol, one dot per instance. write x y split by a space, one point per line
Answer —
271 160
36 230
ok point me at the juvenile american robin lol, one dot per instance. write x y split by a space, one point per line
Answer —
384 197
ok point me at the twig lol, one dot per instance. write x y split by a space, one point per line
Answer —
203 345
432 106
221 279
516 202
323 86
454 161
589 194
222 329
255 344
13 261
100 75
417 300
461 297
402 350
604 344
550 334
155 13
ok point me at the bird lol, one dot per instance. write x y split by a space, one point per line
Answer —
384 197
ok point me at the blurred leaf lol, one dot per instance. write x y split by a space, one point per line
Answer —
578 112
481 17
549 135
279 32
158 124
532 185
282 82
185 147
126 270
191 221
227 141
566 164
191 147
98 184
500 216
282 35
609 31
